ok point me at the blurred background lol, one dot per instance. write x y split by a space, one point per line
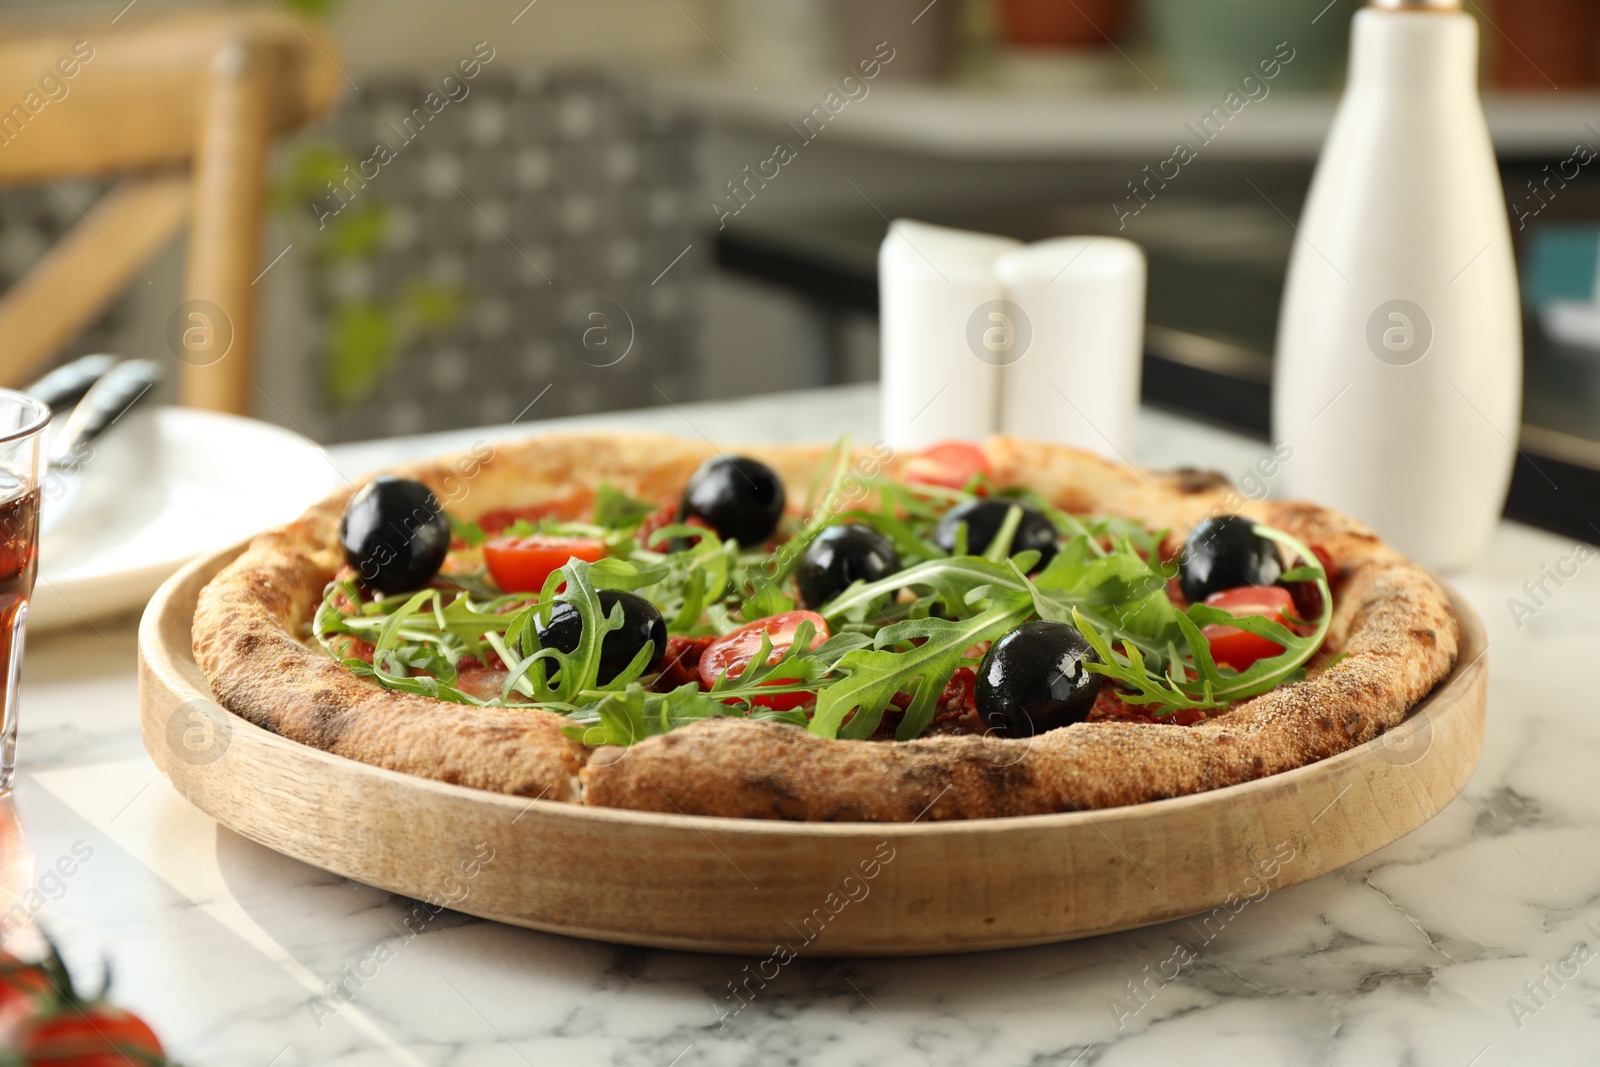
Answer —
713 177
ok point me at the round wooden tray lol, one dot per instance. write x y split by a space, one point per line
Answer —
770 888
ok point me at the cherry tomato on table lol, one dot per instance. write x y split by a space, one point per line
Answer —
951 464
1235 647
26 992
732 652
521 564
95 1035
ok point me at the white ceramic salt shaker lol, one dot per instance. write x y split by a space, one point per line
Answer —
1082 301
932 282
1398 382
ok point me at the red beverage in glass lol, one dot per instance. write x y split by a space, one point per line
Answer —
19 563
22 424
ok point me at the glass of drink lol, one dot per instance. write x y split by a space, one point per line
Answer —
22 447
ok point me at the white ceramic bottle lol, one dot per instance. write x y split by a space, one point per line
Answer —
1398 382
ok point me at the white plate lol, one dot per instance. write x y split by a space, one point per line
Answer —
172 484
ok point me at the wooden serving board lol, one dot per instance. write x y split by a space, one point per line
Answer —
766 888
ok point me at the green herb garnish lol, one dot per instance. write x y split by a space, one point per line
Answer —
896 642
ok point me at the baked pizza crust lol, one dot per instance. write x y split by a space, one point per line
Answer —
1391 620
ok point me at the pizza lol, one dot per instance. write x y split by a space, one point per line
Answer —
821 632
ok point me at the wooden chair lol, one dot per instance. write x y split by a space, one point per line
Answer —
188 107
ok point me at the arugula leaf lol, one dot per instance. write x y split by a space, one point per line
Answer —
1119 591
425 658
576 671
615 509
910 546
1098 528
632 715
833 486
1198 682
950 579
1140 683
695 592
686 583
825 481
391 667
1000 547
765 600
800 668
475 583
422 686
468 531
877 676
627 575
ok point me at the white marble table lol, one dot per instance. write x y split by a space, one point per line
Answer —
1432 952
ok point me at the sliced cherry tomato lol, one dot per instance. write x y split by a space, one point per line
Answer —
1235 647
951 464
97 1035
26 993
731 653
521 564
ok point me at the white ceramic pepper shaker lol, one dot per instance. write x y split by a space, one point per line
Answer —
931 282
1399 367
1078 381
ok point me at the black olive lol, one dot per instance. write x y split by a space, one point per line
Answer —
395 534
984 518
740 498
1033 679
1225 553
641 622
839 556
